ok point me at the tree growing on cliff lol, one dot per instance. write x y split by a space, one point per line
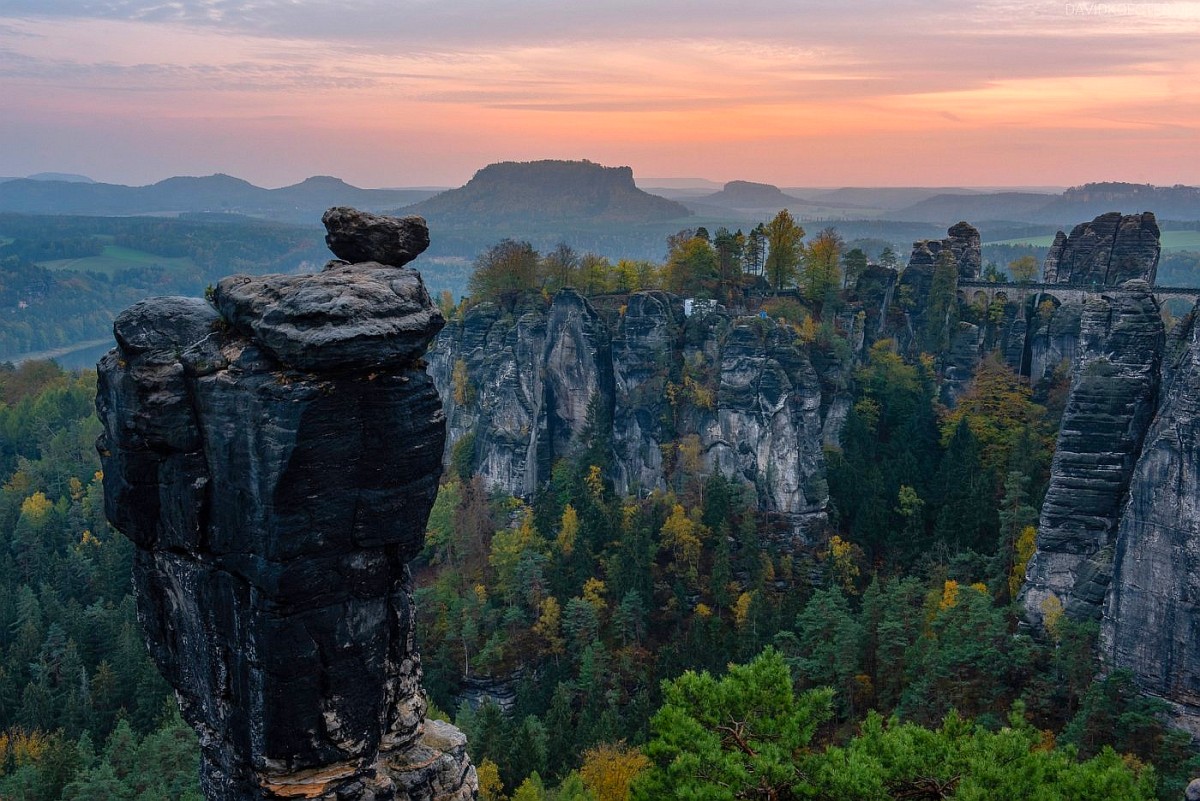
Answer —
691 263
730 249
853 265
505 270
822 258
940 313
784 249
755 250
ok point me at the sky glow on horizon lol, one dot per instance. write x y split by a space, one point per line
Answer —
418 92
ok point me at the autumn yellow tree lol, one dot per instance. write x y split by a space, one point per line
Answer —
784 249
822 260
504 270
997 406
681 536
609 768
1023 269
490 786
568 530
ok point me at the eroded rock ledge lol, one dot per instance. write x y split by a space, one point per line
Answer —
274 459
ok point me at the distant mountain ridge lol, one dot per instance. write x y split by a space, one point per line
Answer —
586 202
303 202
549 191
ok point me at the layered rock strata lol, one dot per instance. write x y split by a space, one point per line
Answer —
1112 399
1151 621
274 460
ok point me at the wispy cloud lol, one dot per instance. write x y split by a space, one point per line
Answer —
545 74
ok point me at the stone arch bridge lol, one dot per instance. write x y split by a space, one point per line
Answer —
1062 293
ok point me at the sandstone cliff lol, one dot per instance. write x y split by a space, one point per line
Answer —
274 460
1113 391
1119 537
1151 621
524 382
1108 251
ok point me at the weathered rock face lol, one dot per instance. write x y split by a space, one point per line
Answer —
737 392
961 362
964 240
646 340
1050 265
1113 392
1151 621
1054 339
906 313
767 429
275 465
1108 251
521 382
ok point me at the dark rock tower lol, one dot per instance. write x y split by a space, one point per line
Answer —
274 459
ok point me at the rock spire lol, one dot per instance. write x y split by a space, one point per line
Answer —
274 459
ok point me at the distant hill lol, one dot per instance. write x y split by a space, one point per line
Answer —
541 193
1167 202
756 202
68 177
1075 204
1015 206
878 197
748 194
303 202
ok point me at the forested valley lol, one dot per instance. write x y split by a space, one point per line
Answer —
597 646
64 279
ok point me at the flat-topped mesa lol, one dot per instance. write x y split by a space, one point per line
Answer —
274 460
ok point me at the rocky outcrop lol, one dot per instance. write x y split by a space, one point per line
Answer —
274 460
767 428
962 239
518 384
1107 251
914 327
1050 264
1112 399
645 342
358 236
522 387
1151 619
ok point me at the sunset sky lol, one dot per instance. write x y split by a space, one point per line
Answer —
424 92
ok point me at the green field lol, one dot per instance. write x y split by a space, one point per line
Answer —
115 259
1171 240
